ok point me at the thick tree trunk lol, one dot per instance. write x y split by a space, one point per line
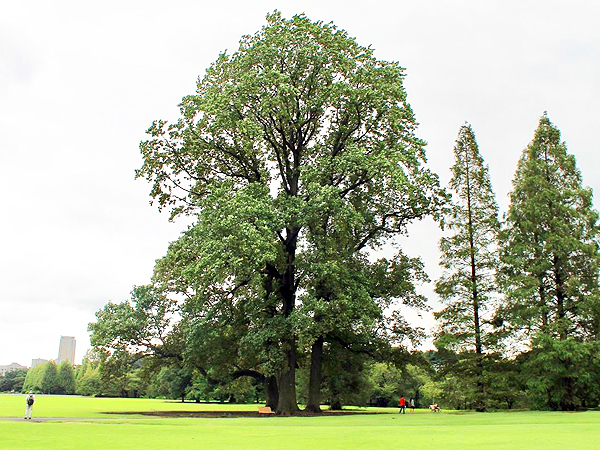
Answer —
568 402
271 392
287 404
314 386
336 404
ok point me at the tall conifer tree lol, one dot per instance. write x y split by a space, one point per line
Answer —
550 265
469 257
550 252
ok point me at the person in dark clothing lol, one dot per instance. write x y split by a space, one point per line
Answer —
29 405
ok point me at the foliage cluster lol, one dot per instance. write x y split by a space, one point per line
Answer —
50 378
298 159
13 381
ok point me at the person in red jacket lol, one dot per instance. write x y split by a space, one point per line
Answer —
402 403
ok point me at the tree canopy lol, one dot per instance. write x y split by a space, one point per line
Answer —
298 155
550 243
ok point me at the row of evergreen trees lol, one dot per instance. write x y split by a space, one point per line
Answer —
13 381
51 378
526 287
64 378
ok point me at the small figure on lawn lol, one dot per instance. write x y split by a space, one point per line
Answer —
411 403
29 405
402 404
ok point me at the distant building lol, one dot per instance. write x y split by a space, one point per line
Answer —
66 349
11 367
37 362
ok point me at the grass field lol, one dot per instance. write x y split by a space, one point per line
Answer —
78 423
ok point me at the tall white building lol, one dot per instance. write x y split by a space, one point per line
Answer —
66 349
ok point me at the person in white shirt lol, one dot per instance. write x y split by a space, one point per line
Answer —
29 405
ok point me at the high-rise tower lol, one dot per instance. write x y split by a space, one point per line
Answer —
66 349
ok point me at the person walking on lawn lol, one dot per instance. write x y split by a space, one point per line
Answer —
402 403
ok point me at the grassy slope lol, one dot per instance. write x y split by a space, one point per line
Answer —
446 431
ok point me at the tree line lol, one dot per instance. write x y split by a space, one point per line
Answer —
298 159
524 292
365 383
49 378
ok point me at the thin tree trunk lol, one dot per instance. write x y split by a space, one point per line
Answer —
475 296
560 299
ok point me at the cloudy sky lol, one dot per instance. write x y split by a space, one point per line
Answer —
81 81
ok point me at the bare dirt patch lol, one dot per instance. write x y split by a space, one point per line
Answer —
233 414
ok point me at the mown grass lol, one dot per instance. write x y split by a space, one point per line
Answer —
76 406
89 429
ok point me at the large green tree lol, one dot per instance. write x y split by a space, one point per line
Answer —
145 325
13 380
33 379
66 378
140 335
550 258
298 145
469 257
50 381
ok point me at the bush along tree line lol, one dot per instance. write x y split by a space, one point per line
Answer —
50 378
363 383
13 381
298 160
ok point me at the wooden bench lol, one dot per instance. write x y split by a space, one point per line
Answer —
265 410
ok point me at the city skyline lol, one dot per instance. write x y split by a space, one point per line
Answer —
66 352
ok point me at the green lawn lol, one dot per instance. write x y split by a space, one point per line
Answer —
75 406
84 427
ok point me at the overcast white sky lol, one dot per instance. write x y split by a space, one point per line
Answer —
81 81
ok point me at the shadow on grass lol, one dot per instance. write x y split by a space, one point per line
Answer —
229 414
